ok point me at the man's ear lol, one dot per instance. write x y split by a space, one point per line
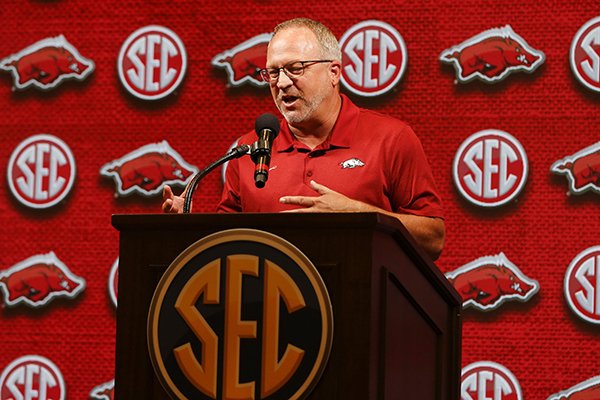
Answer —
335 72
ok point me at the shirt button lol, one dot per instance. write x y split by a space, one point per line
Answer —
309 173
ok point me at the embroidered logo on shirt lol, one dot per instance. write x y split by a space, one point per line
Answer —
352 163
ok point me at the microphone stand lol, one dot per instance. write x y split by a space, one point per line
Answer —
238 152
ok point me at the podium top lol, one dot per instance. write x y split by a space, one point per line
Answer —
279 222
125 222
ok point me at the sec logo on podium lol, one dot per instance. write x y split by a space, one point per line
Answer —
240 314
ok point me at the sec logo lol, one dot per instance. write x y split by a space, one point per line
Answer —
486 380
490 168
41 171
582 285
152 62
32 377
584 54
373 58
240 314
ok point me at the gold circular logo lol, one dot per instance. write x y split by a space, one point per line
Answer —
240 314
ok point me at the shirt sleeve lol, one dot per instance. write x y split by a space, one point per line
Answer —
413 189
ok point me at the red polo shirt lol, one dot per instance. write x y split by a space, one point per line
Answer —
368 157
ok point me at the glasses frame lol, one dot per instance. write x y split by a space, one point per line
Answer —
265 73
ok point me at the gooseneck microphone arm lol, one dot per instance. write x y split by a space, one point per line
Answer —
237 152
267 128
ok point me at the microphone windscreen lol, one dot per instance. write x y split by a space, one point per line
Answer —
267 121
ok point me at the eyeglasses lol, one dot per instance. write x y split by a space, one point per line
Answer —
293 70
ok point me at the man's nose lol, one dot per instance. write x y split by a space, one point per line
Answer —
283 80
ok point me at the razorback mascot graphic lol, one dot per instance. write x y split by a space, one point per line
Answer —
489 281
244 62
492 55
587 390
146 170
104 391
582 169
39 279
46 64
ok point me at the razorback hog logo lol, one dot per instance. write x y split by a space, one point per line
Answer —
582 169
489 281
587 390
47 63
352 163
492 55
244 62
147 169
104 391
39 279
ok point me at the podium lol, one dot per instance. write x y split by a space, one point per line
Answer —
397 324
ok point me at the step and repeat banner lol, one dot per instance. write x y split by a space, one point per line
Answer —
105 102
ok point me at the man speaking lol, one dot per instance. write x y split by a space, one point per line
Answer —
330 155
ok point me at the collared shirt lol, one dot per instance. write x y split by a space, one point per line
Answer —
368 157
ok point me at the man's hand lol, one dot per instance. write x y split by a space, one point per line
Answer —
172 204
327 201
427 231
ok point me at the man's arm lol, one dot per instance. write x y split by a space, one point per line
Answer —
428 232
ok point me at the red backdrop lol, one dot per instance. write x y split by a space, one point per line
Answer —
542 342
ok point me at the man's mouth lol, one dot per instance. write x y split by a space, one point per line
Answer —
288 100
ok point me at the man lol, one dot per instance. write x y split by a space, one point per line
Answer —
331 156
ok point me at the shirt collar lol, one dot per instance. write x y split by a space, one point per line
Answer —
341 136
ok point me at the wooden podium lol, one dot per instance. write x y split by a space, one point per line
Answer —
397 326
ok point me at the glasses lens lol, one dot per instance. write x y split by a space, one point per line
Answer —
266 75
294 69
273 73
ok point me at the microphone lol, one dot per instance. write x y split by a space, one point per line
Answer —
267 128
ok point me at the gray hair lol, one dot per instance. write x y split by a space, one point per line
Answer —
330 48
